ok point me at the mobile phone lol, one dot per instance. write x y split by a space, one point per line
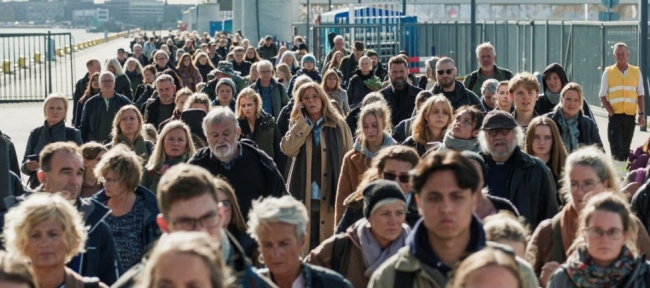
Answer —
32 157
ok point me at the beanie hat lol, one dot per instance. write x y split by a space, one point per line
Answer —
308 57
371 52
379 190
229 82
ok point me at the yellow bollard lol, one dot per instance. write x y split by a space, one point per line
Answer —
21 62
67 49
57 51
37 57
6 66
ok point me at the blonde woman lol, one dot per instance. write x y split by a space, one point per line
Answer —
175 146
122 82
373 133
133 70
127 129
55 111
332 86
318 133
256 125
430 124
283 74
48 231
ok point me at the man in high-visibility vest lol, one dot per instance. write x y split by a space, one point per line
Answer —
621 93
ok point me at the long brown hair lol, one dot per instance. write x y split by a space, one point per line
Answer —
182 67
89 88
420 129
237 220
558 151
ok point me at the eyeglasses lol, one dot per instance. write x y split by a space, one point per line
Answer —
587 186
391 177
108 181
595 233
502 132
309 98
227 204
448 71
209 220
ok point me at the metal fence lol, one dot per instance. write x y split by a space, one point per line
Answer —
34 65
582 48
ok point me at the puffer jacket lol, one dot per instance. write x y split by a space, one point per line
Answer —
640 277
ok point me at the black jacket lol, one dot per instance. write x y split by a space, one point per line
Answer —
253 164
641 204
101 258
462 96
89 115
543 105
317 277
79 90
403 130
244 68
150 231
142 94
267 52
13 158
401 110
531 187
353 118
357 90
410 142
152 111
204 70
588 129
380 71
123 86
313 74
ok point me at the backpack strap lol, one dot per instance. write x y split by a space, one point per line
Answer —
472 80
340 251
557 248
404 278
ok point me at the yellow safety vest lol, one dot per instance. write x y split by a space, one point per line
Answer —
621 90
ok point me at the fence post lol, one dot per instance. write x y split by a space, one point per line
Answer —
6 185
532 46
50 57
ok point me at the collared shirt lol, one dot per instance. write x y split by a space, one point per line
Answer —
229 165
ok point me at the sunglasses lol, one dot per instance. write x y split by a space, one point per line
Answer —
447 71
503 132
391 177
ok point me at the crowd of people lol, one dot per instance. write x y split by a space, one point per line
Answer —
199 161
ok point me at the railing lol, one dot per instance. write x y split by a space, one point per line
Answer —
34 65
582 48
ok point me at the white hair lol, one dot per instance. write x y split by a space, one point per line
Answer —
485 147
386 202
264 63
338 37
217 115
116 64
103 74
483 46
285 210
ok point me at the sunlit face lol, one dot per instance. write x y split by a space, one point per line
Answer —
490 99
166 91
438 117
621 55
446 74
374 60
542 141
524 99
65 175
386 221
338 57
553 82
113 186
312 102
55 111
227 209
94 83
175 143
107 83
280 247
129 123
447 209
161 60
137 51
372 129
224 93
203 60
130 66
486 58
308 65
46 244
571 103
149 77
503 97
463 126
332 82
288 60
176 269
239 56
501 146
398 73
180 101
492 276
398 168
584 182
248 107
605 249
253 74
365 65
250 53
111 68
222 139
265 73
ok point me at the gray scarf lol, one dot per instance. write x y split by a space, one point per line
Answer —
460 145
373 255
388 141
569 131
554 98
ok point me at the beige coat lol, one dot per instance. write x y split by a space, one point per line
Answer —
299 135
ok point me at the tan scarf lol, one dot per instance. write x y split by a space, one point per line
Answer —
568 225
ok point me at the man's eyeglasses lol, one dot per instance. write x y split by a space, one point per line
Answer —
502 132
209 220
448 71
391 177
595 233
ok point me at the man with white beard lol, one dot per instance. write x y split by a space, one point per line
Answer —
250 171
